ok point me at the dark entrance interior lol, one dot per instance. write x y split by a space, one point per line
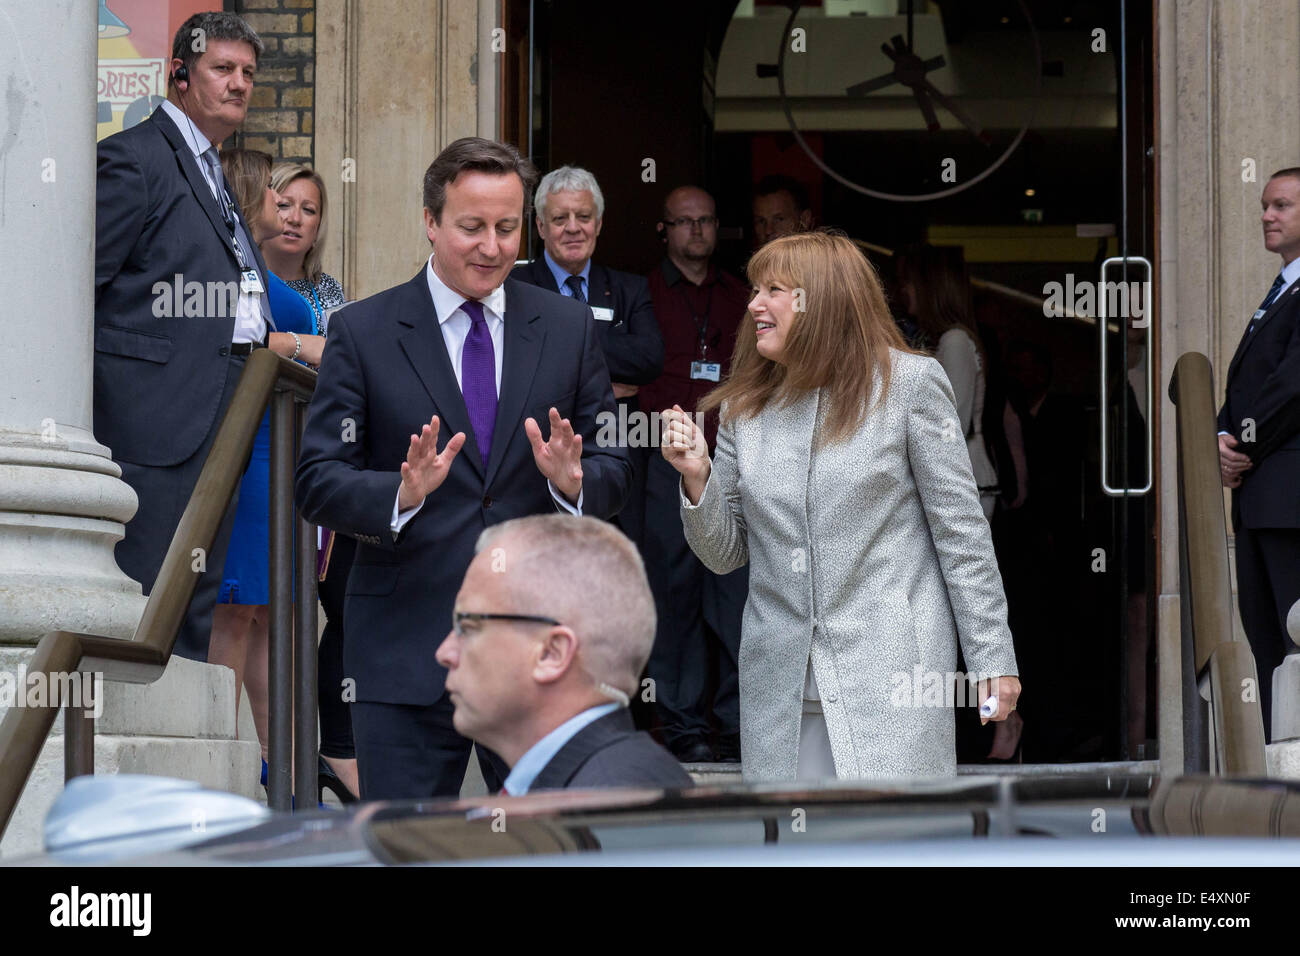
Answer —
1047 166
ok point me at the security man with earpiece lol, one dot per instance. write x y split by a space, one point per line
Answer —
180 299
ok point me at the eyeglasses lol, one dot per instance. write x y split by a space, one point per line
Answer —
458 619
682 222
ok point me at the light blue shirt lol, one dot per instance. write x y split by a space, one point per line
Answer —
541 753
561 274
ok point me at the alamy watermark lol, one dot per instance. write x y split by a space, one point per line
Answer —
56 689
1087 299
180 299
633 429
922 688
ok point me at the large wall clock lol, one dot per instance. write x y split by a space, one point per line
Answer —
912 69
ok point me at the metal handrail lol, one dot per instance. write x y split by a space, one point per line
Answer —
143 658
1209 647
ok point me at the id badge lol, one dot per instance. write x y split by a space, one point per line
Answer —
250 281
707 371
602 315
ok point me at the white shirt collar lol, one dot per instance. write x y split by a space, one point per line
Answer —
447 300
193 136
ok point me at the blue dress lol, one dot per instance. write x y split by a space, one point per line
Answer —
246 579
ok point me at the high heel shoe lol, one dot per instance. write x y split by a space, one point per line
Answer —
327 779
319 804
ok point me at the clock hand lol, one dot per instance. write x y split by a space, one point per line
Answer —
923 101
951 106
888 79
870 86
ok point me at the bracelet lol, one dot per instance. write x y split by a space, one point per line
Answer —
297 346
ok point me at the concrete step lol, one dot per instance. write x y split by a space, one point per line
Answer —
182 725
230 765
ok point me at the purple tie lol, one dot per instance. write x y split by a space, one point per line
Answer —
478 378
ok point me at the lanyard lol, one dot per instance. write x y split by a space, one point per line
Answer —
228 216
316 305
701 323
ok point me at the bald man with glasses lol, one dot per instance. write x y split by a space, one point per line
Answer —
551 629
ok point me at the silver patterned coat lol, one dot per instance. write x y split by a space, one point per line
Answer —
871 556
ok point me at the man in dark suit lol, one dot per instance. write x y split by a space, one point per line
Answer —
699 307
1259 444
570 210
464 346
179 299
552 627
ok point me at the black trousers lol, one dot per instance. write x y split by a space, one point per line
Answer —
335 714
164 493
631 519
699 617
1268 584
409 752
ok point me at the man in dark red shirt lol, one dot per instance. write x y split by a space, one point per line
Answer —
699 308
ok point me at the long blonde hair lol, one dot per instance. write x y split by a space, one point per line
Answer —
281 176
840 339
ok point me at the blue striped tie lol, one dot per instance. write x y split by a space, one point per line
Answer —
575 287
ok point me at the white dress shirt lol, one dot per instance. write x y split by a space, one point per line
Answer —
455 324
250 318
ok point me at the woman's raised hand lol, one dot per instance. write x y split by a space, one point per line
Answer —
682 442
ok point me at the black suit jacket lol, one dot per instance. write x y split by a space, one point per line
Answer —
610 752
633 347
1263 387
386 372
158 377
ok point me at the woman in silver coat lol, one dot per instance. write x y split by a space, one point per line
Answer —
841 475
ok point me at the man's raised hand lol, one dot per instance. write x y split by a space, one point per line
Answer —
425 468
559 459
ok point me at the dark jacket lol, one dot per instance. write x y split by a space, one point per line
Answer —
386 372
610 752
633 348
158 376
1263 388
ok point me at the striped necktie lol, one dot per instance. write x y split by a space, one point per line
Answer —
1269 299
575 286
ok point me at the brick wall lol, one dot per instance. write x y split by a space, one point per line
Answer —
281 116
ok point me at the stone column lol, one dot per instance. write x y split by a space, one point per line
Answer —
1226 75
63 505
388 99
62 502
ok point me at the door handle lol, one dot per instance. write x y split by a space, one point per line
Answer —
1102 298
